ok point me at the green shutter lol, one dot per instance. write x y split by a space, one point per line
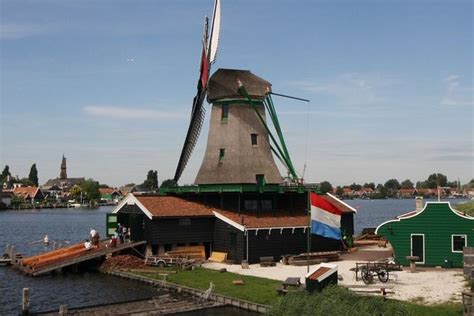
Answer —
111 224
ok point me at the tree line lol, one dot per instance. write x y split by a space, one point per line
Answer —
392 186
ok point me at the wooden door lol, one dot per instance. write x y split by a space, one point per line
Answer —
418 247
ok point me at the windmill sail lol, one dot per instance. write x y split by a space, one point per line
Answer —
215 32
198 111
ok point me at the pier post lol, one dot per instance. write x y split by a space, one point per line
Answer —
13 254
63 310
25 302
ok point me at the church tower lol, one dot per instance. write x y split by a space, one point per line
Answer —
63 173
238 148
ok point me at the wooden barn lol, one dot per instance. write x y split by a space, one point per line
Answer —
436 234
167 222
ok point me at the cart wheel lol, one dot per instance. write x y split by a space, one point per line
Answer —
161 264
383 275
367 277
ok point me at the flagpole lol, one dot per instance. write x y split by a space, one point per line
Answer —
308 241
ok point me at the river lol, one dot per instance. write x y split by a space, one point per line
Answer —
23 228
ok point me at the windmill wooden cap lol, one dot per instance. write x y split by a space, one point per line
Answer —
225 83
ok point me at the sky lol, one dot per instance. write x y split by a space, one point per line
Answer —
110 84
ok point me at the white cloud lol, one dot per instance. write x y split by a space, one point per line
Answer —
10 30
456 94
131 113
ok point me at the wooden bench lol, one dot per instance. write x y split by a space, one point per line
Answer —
267 262
218 256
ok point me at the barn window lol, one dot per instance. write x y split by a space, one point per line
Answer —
221 154
251 204
254 139
184 222
225 112
458 242
266 205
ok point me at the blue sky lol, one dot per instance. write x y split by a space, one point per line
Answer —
110 85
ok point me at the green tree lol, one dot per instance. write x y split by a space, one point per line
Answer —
26 182
33 176
407 184
75 192
437 179
339 191
370 185
355 187
151 181
168 183
5 173
325 187
381 191
90 189
392 187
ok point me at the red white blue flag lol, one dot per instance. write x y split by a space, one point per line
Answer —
325 217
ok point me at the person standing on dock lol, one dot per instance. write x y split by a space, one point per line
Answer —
119 231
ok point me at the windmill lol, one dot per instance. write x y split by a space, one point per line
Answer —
240 142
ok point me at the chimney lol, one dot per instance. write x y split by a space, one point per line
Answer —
419 203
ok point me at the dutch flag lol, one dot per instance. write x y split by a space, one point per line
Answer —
325 217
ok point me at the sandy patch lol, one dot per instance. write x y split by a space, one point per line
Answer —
427 285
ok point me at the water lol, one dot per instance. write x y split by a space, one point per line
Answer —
371 213
21 228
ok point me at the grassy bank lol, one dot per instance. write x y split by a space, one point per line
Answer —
467 207
333 301
258 290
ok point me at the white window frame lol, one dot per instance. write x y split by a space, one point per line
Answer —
411 247
452 242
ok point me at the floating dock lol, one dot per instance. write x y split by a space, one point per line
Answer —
68 256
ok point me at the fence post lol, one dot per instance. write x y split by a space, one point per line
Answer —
63 310
25 302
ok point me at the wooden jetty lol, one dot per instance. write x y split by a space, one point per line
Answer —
68 256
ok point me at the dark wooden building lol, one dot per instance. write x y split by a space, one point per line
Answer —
167 222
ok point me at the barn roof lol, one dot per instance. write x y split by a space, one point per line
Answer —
224 84
265 219
166 206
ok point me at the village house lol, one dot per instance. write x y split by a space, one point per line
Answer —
30 194
109 195
436 234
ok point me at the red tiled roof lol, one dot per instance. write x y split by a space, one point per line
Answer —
26 192
170 206
106 190
267 219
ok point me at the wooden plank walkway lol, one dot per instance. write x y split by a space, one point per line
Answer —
64 257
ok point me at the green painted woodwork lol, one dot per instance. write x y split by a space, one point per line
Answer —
238 188
437 222
111 224
279 150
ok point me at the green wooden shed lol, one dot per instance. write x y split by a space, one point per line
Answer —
436 234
